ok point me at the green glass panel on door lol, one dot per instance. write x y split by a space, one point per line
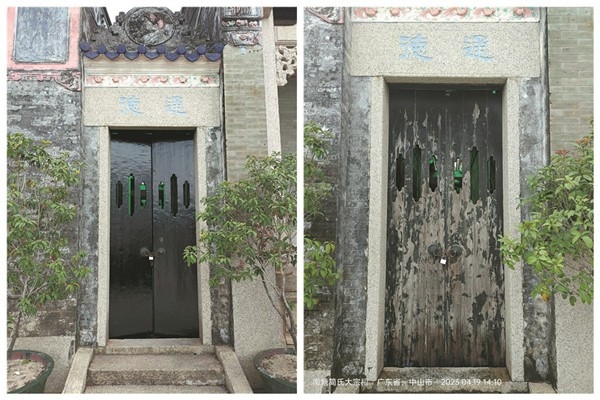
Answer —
143 194
161 194
458 175
433 172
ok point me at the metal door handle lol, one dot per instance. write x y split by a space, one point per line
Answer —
144 252
455 251
435 250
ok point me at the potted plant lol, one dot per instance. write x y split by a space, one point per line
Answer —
251 235
41 267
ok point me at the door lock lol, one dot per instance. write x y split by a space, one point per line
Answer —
451 254
144 252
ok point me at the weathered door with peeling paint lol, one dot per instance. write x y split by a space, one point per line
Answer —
444 277
153 293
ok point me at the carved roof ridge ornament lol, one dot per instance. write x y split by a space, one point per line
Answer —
150 26
152 32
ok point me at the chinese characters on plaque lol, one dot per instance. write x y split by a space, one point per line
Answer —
474 47
132 105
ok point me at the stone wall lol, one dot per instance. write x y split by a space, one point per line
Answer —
571 66
44 103
353 222
322 104
88 238
534 153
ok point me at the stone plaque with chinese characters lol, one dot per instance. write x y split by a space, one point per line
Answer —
445 49
141 107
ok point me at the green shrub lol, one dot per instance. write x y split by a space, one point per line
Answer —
40 211
557 240
319 264
251 229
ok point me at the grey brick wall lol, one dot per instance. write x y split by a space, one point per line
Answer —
570 65
245 109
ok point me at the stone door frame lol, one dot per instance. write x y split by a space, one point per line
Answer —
103 190
379 132
105 83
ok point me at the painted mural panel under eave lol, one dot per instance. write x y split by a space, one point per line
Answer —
142 107
445 49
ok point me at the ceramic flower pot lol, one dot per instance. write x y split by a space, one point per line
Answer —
273 382
36 385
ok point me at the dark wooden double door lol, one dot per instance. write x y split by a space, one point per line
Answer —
444 277
153 293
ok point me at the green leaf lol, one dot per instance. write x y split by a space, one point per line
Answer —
588 242
572 300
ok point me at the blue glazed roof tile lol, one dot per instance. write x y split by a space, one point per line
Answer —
192 56
213 54
92 54
131 55
171 56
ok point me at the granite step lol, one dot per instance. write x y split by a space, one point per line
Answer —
155 369
155 346
171 389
